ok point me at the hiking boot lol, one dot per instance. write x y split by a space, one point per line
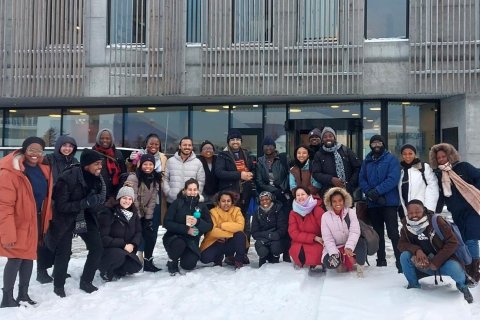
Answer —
7 300
59 291
230 260
88 287
148 265
381 263
23 296
466 294
261 261
43 277
172 267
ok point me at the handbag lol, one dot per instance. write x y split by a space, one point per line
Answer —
368 233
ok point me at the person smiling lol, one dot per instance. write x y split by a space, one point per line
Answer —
300 171
25 213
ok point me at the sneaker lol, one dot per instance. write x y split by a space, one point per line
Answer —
59 291
88 287
172 267
381 263
43 276
466 294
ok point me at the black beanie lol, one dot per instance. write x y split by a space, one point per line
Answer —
205 143
89 156
268 141
234 133
147 157
408 146
378 137
32 140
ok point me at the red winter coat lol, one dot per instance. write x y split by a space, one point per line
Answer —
303 230
18 214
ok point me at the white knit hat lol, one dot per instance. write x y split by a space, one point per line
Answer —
126 191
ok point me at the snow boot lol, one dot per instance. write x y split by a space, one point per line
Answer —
399 266
43 277
476 270
273 259
261 261
172 267
59 291
88 287
148 265
23 296
245 259
360 270
106 276
7 300
230 260
466 294
238 264
381 263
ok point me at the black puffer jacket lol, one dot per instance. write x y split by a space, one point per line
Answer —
211 181
175 222
227 174
280 175
57 161
270 225
116 231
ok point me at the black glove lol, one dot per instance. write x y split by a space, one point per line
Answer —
90 201
274 236
147 224
373 195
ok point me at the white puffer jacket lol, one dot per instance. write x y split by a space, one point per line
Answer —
179 171
417 189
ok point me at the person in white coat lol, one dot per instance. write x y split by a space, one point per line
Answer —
417 181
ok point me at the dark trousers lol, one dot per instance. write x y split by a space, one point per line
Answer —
274 248
360 254
150 236
177 249
382 217
116 261
235 246
14 266
45 257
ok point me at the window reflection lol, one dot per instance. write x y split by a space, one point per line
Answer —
210 123
386 19
246 116
275 117
371 123
325 111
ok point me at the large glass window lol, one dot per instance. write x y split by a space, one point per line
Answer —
170 123
386 19
84 124
246 116
318 19
325 111
371 123
210 123
412 123
275 117
194 21
252 20
24 123
127 21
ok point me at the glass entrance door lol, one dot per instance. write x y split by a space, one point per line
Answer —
252 141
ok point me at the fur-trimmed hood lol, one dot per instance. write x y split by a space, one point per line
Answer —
452 154
344 192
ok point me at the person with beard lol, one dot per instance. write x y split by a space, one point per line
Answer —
146 184
379 178
182 166
417 181
79 197
186 221
121 233
25 213
424 253
459 183
315 142
300 173
335 165
208 159
113 164
270 229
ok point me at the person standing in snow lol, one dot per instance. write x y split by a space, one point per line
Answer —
186 221
423 250
304 227
121 233
343 246
301 173
25 213
208 159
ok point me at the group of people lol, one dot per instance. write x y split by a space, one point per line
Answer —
211 205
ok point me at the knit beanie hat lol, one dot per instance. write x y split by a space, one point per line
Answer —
89 156
378 137
267 194
205 143
234 133
32 140
328 129
126 191
315 133
147 157
408 146
268 141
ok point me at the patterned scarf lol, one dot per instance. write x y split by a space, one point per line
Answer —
339 168
306 208
128 214
113 167
417 227
468 192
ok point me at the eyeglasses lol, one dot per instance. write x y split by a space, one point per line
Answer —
376 144
235 139
207 149
34 151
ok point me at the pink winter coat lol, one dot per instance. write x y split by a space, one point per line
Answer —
335 232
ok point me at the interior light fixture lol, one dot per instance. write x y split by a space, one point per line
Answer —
152 108
225 107
346 110
140 111
295 110
405 103
370 120
212 110
334 107
355 114
12 110
76 111
55 115
255 105
375 109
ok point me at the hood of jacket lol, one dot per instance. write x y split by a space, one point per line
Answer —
62 140
348 198
452 154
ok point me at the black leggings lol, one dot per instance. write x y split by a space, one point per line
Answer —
13 266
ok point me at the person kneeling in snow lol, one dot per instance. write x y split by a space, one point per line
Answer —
423 250
269 229
121 233
343 246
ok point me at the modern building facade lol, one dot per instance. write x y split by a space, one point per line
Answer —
407 69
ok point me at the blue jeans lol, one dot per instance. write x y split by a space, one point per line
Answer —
450 268
473 248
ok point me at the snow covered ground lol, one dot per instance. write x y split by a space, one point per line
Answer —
272 292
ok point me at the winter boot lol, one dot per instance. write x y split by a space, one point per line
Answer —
43 277
274 259
149 266
59 291
476 269
172 267
238 264
245 259
466 294
261 261
106 276
7 300
399 266
88 287
360 270
230 260
23 296
286 257
381 263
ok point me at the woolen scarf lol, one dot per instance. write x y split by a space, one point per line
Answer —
417 227
127 214
306 208
339 168
113 167
468 192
